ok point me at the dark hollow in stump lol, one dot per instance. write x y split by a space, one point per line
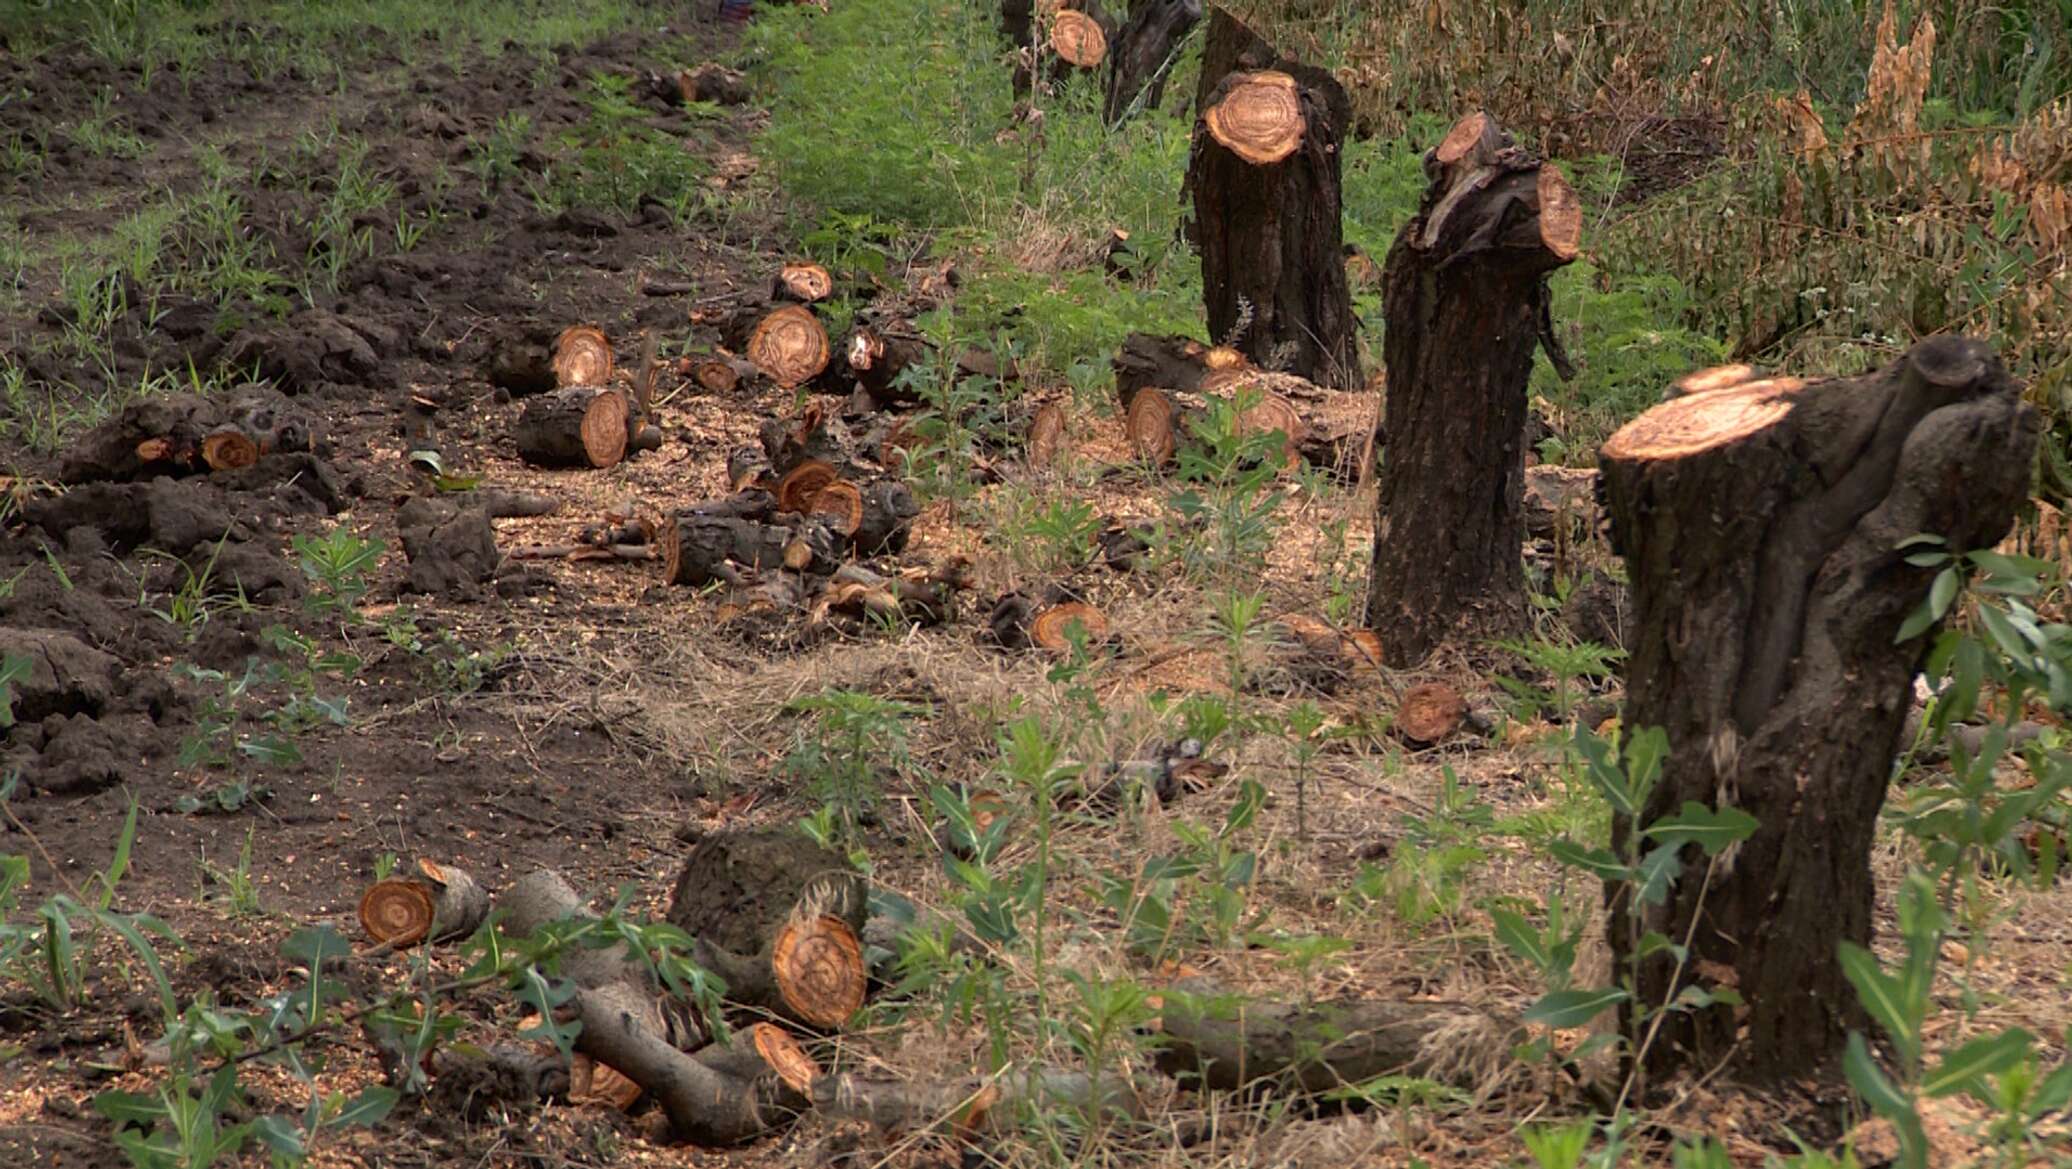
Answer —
1265 181
1761 527
738 888
575 426
1466 301
1225 1042
1144 52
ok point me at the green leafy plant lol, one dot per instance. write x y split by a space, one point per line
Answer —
337 564
852 740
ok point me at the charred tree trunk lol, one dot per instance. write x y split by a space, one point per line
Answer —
1265 180
1466 300
1760 525
1143 53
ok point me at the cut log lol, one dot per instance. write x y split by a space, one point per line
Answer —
1319 657
802 281
1143 54
720 375
544 897
790 345
1078 39
149 436
582 357
1046 434
704 1106
1466 299
889 509
738 888
714 83
575 426
1273 414
1223 1042
840 503
1762 527
1430 713
640 435
699 548
459 905
1152 430
761 1051
229 449
1265 177
397 912
1051 628
811 973
1166 363
795 491
877 358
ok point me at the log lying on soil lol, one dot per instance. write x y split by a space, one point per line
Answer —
704 1106
183 433
1467 302
714 83
738 887
877 354
1019 621
582 357
1227 1043
1046 435
977 1107
1430 713
1144 52
1153 427
440 904
802 281
698 548
575 426
1315 655
812 972
1764 641
789 344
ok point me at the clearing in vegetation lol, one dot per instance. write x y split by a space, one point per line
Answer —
921 582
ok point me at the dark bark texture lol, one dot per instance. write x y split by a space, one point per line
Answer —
1761 526
1272 248
1143 53
1465 294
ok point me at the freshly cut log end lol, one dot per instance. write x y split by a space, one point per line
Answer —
582 357
396 912
1260 117
1046 435
1719 377
590 1082
796 490
1051 629
1223 357
1561 213
229 449
818 963
1273 413
841 503
575 426
790 345
785 1056
1700 422
1078 39
154 450
1151 427
807 282
1430 713
1475 134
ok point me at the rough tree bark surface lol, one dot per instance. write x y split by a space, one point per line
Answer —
1143 47
1264 177
1760 524
1466 299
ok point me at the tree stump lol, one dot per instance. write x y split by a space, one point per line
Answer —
737 889
1143 53
1760 524
575 426
1265 180
1466 300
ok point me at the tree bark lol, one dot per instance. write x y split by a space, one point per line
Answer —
1760 524
1225 1042
1267 218
1466 300
1143 53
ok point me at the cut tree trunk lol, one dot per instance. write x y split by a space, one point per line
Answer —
582 357
737 888
1225 1042
1265 180
790 345
1144 52
575 426
1761 526
699 547
1466 300
812 972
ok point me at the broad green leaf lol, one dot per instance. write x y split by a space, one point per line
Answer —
1988 1055
1881 994
1573 1008
130 1108
1521 939
282 1137
370 1107
1599 862
1656 872
1943 592
1710 829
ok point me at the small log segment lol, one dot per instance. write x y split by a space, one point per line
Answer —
1763 642
575 426
1143 53
1265 177
1467 302
811 973
1227 1043
714 83
802 281
790 345
582 357
1430 713
1046 435
1045 622
1312 654
701 546
396 912
1153 427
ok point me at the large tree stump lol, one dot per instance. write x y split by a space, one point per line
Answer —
1144 52
1265 180
1761 524
1466 300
